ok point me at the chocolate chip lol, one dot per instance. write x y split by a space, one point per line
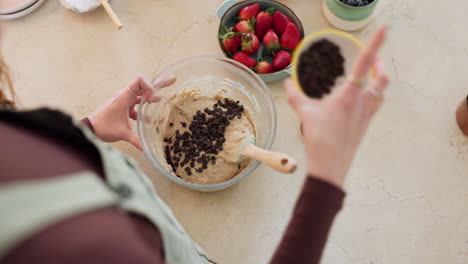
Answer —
204 138
171 125
325 56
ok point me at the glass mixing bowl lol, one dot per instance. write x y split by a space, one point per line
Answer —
211 75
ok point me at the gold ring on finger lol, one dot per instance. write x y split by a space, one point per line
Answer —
355 81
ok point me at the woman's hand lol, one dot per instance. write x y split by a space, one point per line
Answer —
333 127
111 122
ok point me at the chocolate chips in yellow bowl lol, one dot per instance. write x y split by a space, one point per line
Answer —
323 61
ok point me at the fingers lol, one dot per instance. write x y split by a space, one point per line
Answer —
132 113
167 80
379 83
142 87
295 98
161 82
131 110
133 90
149 89
146 89
372 101
139 85
133 139
381 80
367 57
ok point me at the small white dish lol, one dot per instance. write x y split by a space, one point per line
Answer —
23 12
81 6
13 6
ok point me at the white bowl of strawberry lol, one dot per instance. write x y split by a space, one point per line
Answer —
262 35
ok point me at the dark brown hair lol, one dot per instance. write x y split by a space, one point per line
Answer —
7 94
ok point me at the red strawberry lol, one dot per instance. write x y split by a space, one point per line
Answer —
245 59
264 67
231 41
271 41
250 43
291 37
280 21
264 22
249 11
281 60
245 26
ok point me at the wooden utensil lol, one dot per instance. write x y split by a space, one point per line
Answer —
462 116
276 160
111 13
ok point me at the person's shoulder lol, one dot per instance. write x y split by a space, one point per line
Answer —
102 236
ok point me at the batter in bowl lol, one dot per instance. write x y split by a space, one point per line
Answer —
203 136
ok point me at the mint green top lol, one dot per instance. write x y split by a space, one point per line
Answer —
28 207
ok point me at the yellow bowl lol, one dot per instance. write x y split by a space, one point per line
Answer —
350 48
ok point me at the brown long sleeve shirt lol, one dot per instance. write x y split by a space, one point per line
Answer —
47 146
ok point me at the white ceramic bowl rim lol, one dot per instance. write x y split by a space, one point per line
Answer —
207 187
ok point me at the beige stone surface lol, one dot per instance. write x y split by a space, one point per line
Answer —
407 196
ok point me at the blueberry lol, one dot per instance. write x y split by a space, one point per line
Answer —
357 2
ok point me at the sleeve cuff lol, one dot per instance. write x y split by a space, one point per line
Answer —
328 193
87 122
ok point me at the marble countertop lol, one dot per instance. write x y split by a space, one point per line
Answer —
407 192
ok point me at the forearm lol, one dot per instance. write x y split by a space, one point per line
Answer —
310 224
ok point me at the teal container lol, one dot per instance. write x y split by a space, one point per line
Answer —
346 17
227 13
350 13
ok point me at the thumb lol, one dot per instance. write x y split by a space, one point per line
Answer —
295 98
133 139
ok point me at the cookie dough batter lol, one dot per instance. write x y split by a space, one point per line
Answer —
203 136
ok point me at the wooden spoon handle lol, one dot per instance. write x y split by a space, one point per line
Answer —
111 14
278 161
